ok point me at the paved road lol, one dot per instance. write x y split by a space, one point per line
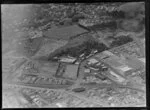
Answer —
135 87
36 86
58 87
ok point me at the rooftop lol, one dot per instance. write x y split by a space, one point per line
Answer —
68 60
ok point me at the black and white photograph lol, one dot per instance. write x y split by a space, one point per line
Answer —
73 55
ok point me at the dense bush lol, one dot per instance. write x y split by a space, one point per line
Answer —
110 25
85 48
121 40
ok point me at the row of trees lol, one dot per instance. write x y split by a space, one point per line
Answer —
121 40
85 48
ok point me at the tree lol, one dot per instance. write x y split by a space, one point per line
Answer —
121 40
132 9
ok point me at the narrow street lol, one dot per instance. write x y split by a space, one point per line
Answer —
138 88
